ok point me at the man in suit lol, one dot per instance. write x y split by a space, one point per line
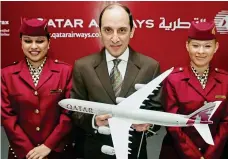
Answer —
112 73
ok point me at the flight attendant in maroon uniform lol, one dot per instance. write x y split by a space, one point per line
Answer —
189 88
36 126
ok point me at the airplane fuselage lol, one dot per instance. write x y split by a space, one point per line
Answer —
139 115
149 116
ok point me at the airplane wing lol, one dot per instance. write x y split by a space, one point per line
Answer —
119 128
135 100
204 132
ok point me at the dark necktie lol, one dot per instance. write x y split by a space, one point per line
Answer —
116 78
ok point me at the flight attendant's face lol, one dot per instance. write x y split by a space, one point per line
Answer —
35 48
201 52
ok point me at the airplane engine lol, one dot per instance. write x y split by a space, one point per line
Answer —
119 99
108 150
139 86
104 130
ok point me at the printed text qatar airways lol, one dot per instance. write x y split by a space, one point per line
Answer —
79 23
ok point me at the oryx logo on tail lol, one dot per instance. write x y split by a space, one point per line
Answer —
202 115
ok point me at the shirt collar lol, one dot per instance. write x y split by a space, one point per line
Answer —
31 68
205 73
123 57
202 79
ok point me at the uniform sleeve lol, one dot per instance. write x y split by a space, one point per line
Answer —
155 100
183 144
215 151
18 140
64 126
79 91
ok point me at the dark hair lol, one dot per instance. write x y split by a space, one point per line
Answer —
122 6
47 35
189 40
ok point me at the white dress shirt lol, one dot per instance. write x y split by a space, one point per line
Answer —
122 65
122 68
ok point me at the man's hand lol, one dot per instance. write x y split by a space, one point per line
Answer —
102 120
39 152
141 127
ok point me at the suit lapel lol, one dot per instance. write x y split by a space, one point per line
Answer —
197 86
211 82
102 73
45 74
25 74
132 71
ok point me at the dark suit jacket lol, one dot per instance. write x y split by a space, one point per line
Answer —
91 82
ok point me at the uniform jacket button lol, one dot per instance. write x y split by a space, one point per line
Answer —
35 93
37 111
37 128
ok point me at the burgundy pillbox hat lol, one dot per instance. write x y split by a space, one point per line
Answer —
202 31
34 27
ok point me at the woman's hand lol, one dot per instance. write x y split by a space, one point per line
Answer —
39 152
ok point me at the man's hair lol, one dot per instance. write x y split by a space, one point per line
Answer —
120 5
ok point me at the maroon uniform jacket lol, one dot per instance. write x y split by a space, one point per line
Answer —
31 115
184 94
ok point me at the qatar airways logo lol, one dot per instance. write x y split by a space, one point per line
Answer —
79 23
79 108
221 22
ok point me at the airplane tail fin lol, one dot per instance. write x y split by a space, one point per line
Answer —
201 118
204 114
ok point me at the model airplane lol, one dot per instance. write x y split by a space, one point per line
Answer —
128 112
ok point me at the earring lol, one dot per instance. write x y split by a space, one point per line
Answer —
131 36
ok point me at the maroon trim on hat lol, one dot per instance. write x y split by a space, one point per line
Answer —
34 27
201 36
202 31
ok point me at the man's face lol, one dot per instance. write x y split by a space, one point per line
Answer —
35 47
115 30
201 52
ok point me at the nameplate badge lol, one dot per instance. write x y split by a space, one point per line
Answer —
220 97
56 90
